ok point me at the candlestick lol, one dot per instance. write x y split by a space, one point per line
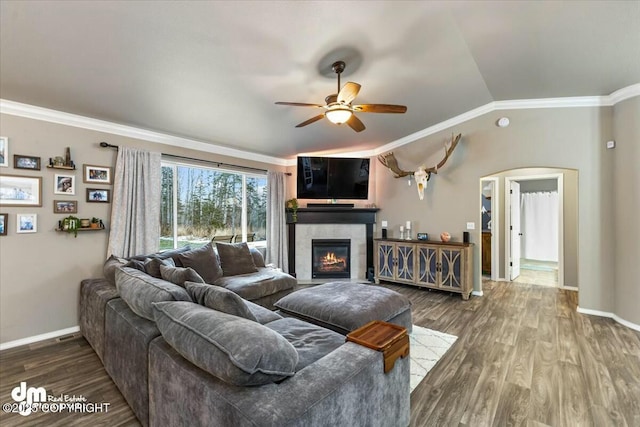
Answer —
401 229
408 225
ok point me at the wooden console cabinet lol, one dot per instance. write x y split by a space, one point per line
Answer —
430 264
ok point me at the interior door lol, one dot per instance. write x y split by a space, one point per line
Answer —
515 233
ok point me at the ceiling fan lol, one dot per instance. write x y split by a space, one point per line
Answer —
338 108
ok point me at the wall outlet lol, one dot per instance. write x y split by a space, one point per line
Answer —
471 226
611 144
384 224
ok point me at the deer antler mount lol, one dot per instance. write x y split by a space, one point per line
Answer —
422 175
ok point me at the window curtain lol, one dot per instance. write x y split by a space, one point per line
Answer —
135 211
276 221
539 225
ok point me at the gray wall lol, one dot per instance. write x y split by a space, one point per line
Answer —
564 138
626 189
40 273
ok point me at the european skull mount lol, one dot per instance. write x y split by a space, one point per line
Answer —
422 175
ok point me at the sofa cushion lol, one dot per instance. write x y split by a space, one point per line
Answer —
235 258
263 315
258 259
219 299
267 281
152 265
139 290
113 262
110 266
345 306
310 341
137 264
204 261
179 275
233 349
169 253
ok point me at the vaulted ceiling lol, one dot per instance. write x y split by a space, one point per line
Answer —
211 71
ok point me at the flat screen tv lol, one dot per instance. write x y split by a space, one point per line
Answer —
333 178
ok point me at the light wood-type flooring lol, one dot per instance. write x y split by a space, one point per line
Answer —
524 357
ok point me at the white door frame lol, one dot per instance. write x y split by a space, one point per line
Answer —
507 205
495 228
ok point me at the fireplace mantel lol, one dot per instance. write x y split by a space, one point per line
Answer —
331 215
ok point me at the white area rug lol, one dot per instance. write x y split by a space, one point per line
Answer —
426 348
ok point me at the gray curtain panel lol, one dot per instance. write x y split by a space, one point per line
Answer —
276 221
135 210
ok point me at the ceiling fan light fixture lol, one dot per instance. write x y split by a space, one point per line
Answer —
338 115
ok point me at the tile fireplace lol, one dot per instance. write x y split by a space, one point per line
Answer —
330 258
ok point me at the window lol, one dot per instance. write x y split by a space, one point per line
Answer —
200 204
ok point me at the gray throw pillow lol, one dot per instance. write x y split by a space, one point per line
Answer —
152 266
258 259
204 261
233 349
235 258
180 275
139 290
110 266
220 299
137 264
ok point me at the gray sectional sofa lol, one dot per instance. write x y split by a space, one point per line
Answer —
194 354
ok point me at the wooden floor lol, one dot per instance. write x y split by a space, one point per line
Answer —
524 357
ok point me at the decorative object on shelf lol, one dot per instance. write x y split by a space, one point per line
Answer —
27 223
4 222
17 190
26 162
423 236
65 162
445 237
384 229
95 223
97 174
402 232
422 175
98 195
70 224
293 205
65 206
4 151
64 184
85 222
408 236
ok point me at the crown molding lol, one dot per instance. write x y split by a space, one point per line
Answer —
53 116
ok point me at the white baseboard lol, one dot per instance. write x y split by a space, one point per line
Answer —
610 315
41 337
477 293
569 288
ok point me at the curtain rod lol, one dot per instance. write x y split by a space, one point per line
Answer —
107 145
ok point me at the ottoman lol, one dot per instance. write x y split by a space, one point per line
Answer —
345 306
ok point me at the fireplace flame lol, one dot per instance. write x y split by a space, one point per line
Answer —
330 262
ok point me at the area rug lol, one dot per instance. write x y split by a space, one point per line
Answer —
426 348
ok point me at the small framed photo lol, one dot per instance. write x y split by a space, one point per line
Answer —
98 195
26 162
4 219
27 223
423 236
97 174
64 184
65 206
16 190
4 151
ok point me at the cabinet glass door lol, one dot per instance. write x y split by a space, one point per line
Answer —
451 268
427 265
406 262
385 261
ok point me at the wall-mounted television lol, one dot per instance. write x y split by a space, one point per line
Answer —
333 178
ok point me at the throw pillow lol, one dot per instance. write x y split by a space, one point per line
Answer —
139 290
137 264
258 259
235 258
179 275
152 266
220 299
231 348
204 261
110 266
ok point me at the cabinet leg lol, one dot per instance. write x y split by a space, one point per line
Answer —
465 296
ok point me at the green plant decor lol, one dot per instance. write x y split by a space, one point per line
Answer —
95 220
71 224
293 205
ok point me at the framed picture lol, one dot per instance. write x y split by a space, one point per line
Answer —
98 195
16 190
97 174
4 151
26 162
65 206
64 184
27 223
4 218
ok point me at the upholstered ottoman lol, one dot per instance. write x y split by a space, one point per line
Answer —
346 306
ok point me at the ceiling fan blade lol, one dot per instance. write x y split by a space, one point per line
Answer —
299 104
380 108
355 123
311 120
348 92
